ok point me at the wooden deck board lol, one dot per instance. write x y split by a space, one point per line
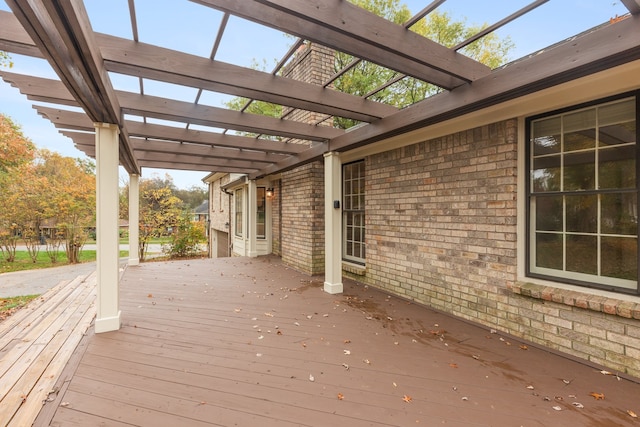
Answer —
234 342
37 344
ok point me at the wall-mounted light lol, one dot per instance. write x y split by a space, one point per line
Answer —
270 192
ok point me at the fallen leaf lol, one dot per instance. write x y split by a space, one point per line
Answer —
524 347
65 404
606 373
407 398
279 333
530 387
632 414
237 310
347 341
347 352
150 296
453 365
366 361
345 366
557 408
395 385
597 396
577 405
566 381
311 378
340 396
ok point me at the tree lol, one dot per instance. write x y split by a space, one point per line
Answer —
365 77
16 151
192 197
15 148
186 238
437 26
160 213
71 198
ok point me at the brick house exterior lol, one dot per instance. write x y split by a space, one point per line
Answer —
446 226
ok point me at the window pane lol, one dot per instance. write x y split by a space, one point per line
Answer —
582 214
582 254
618 112
579 171
546 136
582 140
548 213
546 174
620 257
617 167
617 134
549 250
619 214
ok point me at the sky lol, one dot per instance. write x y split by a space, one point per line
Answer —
183 25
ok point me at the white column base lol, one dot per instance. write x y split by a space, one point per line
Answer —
333 288
107 324
133 261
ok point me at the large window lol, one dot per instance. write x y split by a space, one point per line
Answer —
239 223
583 195
353 238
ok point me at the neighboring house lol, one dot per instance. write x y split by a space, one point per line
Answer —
201 212
521 217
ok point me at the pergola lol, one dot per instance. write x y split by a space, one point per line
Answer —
84 60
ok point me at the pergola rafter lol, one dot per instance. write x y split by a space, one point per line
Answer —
84 60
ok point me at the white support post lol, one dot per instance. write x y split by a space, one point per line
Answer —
108 251
332 224
134 219
252 216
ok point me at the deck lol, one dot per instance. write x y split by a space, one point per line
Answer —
247 342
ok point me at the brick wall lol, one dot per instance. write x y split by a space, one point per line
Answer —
441 230
276 222
302 189
219 202
303 218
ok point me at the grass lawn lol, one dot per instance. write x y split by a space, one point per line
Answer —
24 262
8 306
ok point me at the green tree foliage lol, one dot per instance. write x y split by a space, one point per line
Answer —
438 27
192 197
186 238
365 77
255 107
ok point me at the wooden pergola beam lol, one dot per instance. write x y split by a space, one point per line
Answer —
152 62
347 28
172 147
48 90
62 32
186 112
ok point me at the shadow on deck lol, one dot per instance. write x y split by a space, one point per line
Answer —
246 342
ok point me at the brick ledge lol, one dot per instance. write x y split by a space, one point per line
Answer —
599 303
359 270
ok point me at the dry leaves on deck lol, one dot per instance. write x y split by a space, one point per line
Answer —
597 396
407 398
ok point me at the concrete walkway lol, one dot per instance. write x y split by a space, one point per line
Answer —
32 282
